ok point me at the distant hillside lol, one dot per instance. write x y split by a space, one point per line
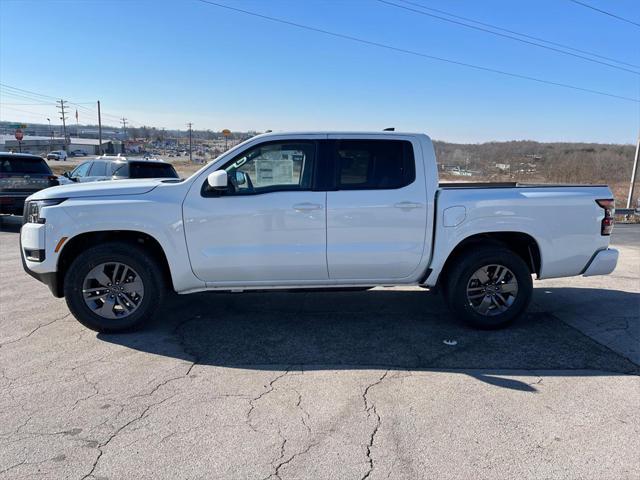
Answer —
530 161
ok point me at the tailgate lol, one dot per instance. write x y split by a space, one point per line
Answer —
24 183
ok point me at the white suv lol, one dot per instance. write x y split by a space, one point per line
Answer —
57 155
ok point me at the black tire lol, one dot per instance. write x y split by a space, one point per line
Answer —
460 275
128 254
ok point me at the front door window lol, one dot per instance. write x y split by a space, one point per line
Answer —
272 167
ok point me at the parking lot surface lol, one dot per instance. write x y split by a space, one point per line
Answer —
353 385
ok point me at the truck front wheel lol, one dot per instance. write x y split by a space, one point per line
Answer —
488 287
113 287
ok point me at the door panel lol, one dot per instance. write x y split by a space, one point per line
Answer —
257 237
373 238
375 226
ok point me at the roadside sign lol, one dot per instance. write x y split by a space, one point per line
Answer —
226 132
19 135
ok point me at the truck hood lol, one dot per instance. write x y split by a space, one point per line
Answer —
98 189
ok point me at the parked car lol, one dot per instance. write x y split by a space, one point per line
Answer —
21 175
317 210
118 168
78 153
57 155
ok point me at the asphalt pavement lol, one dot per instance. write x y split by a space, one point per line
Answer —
376 384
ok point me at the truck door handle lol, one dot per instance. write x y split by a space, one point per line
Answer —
407 205
305 207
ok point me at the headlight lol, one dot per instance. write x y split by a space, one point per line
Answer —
33 207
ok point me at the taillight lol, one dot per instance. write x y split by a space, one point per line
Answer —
609 206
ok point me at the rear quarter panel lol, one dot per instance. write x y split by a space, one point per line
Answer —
564 222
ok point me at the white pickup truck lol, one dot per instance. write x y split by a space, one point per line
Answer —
312 210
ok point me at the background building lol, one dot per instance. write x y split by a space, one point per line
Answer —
41 145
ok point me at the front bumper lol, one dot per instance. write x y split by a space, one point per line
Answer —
50 279
603 263
33 239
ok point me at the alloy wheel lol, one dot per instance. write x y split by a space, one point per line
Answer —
113 290
492 290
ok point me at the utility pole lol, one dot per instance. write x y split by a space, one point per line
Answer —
61 104
190 157
634 172
50 135
99 130
124 125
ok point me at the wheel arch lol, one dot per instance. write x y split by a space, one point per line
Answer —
520 243
79 243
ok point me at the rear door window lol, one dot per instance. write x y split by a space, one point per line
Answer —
98 169
374 164
33 165
120 169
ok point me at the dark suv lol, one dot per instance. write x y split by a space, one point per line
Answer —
20 176
117 168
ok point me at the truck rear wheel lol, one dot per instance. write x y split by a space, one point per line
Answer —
113 287
489 287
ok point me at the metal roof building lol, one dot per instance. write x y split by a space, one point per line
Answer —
40 145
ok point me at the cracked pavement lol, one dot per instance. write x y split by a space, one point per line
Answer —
353 385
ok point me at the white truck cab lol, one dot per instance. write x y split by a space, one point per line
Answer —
312 210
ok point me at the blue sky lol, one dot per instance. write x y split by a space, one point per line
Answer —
166 63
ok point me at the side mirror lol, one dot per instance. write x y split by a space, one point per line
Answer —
66 174
218 180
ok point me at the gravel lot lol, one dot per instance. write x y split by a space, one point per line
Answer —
324 385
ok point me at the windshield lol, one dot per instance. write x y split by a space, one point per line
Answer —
151 170
23 165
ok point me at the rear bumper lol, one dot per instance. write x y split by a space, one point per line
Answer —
603 263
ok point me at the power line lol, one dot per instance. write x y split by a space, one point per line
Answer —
31 96
22 97
418 54
93 111
504 35
606 13
21 93
424 7
27 91
34 114
32 104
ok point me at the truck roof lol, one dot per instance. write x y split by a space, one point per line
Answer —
20 155
341 132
